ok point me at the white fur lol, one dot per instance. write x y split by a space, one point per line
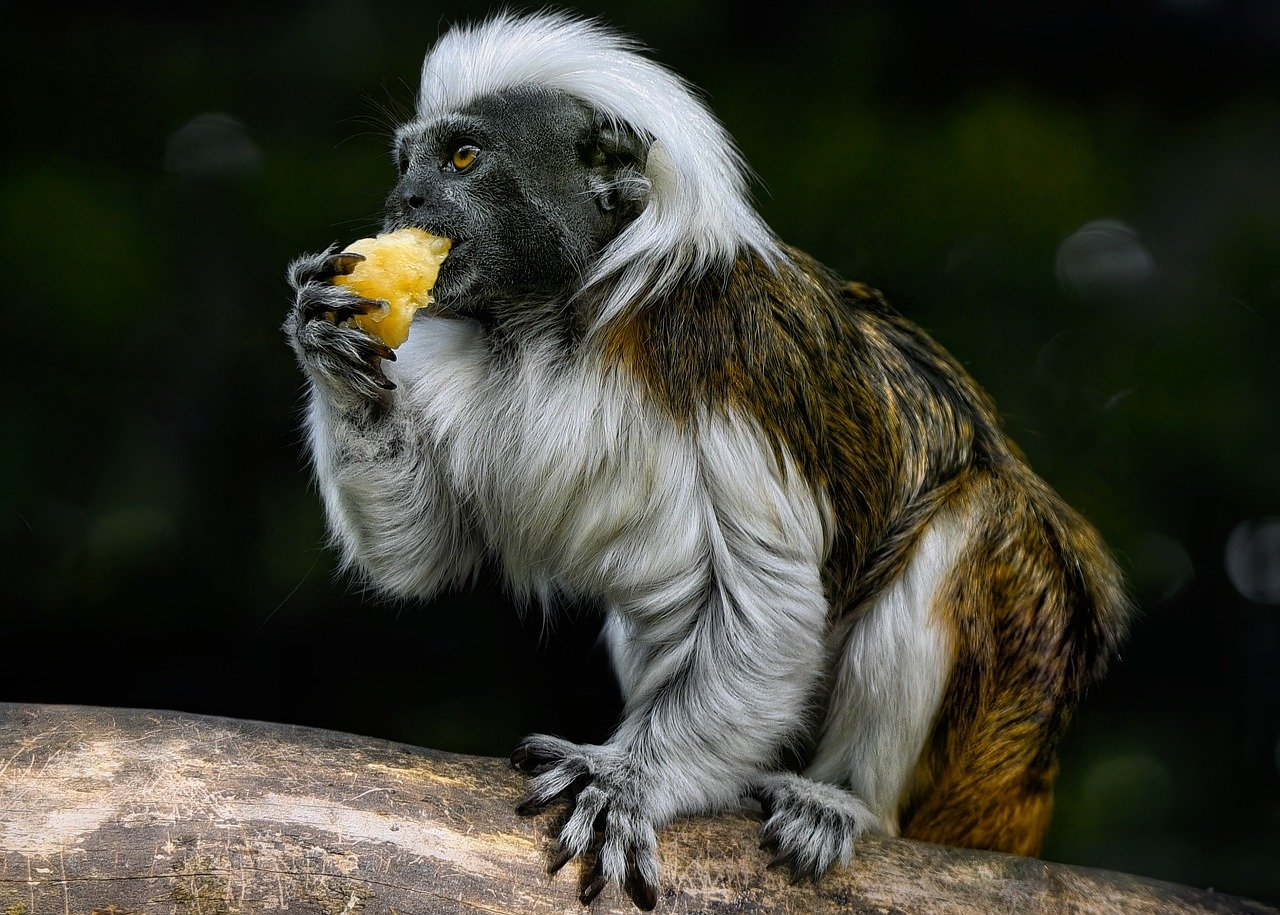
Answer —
698 214
707 552
391 512
892 667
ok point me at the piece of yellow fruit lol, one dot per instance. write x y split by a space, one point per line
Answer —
399 268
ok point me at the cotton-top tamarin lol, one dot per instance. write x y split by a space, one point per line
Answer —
801 516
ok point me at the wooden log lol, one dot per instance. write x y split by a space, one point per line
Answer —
127 811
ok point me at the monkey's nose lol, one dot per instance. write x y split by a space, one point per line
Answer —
415 201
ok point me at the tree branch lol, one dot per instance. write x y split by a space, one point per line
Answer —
127 811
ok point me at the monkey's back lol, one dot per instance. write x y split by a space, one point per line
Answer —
1034 604
895 434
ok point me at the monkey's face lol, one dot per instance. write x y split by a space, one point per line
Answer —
529 184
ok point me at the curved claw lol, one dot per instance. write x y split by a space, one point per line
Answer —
332 303
331 265
350 307
535 804
342 264
538 753
381 350
540 750
593 888
564 857
643 893
797 874
374 350
320 268
530 807
769 837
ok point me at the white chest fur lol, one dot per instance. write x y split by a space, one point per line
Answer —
578 483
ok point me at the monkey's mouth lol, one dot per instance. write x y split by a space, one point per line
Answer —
451 282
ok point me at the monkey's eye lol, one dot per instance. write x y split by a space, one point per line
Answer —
462 157
402 161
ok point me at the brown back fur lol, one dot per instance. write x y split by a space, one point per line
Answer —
892 429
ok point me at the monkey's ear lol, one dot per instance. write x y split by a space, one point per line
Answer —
615 157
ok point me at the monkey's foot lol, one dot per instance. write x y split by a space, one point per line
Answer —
810 826
610 822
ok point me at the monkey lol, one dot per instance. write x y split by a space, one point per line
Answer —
829 580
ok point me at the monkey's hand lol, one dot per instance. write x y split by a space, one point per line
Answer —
345 360
611 820
810 826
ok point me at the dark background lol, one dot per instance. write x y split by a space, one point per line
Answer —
1082 201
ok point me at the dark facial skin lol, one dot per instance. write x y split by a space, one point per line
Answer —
539 185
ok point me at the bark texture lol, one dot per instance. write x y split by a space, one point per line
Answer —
128 811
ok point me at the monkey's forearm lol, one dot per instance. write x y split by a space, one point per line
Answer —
715 687
730 670
388 502
719 657
712 711
390 505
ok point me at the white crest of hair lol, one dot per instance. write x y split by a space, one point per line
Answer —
891 667
699 214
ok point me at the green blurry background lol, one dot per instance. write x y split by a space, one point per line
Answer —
1082 201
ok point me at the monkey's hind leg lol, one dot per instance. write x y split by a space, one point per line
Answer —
1036 607
890 666
810 826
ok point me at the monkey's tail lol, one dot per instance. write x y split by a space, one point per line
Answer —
1098 608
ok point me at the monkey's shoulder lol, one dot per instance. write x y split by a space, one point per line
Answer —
758 308
797 346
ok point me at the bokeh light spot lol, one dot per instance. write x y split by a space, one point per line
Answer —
1253 559
1104 256
212 145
